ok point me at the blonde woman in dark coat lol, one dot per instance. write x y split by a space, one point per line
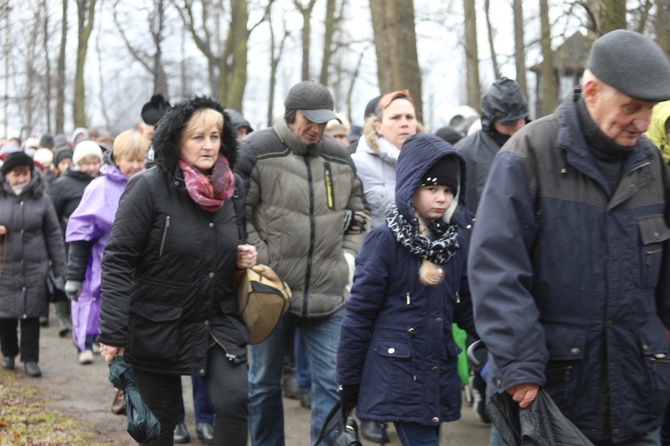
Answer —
30 238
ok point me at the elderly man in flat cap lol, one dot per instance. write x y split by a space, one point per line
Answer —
301 192
568 268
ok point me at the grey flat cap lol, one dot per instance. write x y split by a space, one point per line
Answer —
633 64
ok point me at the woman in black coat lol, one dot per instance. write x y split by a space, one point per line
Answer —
168 293
30 237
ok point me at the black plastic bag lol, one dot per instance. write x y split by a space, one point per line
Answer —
56 288
142 425
542 423
346 431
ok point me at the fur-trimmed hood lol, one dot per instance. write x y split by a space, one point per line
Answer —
168 132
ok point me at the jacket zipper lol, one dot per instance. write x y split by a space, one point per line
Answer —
167 225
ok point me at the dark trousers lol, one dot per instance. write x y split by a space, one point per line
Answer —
227 391
201 406
30 338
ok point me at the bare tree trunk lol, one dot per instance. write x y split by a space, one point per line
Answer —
471 56
60 74
306 12
612 15
237 80
520 47
86 19
662 26
330 23
492 48
395 44
275 56
31 73
47 65
549 100
7 10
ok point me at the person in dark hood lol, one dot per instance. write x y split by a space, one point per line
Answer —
239 123
168 273
397 359
504 112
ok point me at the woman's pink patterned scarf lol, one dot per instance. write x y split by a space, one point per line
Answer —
209 191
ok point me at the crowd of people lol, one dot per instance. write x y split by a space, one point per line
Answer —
545 240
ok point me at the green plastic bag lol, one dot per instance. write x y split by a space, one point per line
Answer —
460 337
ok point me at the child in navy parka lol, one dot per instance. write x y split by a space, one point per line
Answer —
397 357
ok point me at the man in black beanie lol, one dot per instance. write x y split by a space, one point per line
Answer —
568 264
152 112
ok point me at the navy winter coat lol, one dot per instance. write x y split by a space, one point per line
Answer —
569 278
396 339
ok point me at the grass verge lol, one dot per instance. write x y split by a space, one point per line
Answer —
24 420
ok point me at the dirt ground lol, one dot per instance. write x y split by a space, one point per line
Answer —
83 393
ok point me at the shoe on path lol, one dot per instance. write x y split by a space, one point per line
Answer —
86 357
181 435
32 369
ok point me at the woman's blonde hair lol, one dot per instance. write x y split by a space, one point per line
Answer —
205 117
429 273
130 145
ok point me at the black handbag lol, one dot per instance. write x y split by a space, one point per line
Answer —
346 430
56 288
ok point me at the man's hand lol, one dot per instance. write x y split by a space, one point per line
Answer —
73 289
354 223
524 394
348 398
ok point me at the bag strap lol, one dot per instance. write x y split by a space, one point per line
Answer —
326 428
5 239
238 202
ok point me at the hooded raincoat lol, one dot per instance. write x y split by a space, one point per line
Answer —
396 340
656 132
503 100
92 222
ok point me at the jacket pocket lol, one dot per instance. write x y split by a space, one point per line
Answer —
656 356
154 333
566 359
653 232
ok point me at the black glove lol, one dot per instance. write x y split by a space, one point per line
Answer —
354 222
348 398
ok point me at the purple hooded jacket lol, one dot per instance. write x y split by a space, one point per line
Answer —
92 222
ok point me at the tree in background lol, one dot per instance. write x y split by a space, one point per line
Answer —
520 47
471 55
549 94
152 57
395 44
227 57
85 20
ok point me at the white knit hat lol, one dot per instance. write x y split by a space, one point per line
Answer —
84 149
44 156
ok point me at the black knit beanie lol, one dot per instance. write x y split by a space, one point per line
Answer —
16 159
444 173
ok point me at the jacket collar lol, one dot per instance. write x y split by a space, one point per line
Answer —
291 141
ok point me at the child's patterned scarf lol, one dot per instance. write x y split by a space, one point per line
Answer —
438 251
